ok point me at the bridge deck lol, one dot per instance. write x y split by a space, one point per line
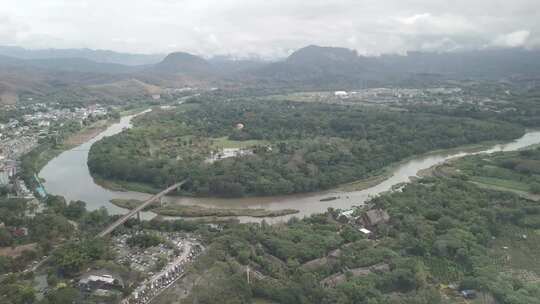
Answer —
139 208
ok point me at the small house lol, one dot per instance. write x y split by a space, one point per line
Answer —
365 231
19 232
100 279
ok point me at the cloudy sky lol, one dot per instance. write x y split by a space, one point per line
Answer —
269 28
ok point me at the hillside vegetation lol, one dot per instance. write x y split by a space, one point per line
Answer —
441 232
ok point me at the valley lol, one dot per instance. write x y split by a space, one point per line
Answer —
304 180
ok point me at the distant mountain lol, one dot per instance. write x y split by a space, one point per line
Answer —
309 68
332 67
317 55
79 65
490 63
103 56
183 63
316 66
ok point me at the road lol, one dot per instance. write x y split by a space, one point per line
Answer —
151 288
131 213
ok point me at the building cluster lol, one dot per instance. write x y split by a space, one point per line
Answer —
397 95
153 286
228 153
177 250
144 260
21 134
44 116
367 222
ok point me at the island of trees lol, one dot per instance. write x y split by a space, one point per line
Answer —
293 147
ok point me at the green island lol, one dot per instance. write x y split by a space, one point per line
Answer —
286 147
198 211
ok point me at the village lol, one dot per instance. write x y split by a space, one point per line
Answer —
151 269
405 97
25 132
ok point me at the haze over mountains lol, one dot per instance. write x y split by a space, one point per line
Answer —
40 71
104 56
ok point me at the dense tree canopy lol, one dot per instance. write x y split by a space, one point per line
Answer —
296 147
440 231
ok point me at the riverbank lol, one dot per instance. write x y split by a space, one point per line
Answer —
77 184
87 133
38 158
374 179
200 212
123 186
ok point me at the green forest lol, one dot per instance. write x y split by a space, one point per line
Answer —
294 147
441 232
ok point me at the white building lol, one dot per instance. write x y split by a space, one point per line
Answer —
341 94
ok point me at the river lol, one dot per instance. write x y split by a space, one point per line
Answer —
68 175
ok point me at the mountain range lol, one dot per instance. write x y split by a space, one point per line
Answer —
311 67
104 56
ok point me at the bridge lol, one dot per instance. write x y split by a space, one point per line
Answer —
139 208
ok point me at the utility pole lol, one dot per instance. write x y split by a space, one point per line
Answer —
247 275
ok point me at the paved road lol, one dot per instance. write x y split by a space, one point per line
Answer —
131 213
151 288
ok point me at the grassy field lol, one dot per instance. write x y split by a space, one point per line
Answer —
523 194
509 171
129 203
198 211
501 182
126 186
224 142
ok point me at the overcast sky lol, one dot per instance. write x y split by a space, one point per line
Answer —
269 28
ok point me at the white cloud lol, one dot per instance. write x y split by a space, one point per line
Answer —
414 18
270 28
514 39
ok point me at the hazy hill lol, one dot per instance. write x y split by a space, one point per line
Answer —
316 66
79 65
318 55
327 67
309 68
183 63
103 56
